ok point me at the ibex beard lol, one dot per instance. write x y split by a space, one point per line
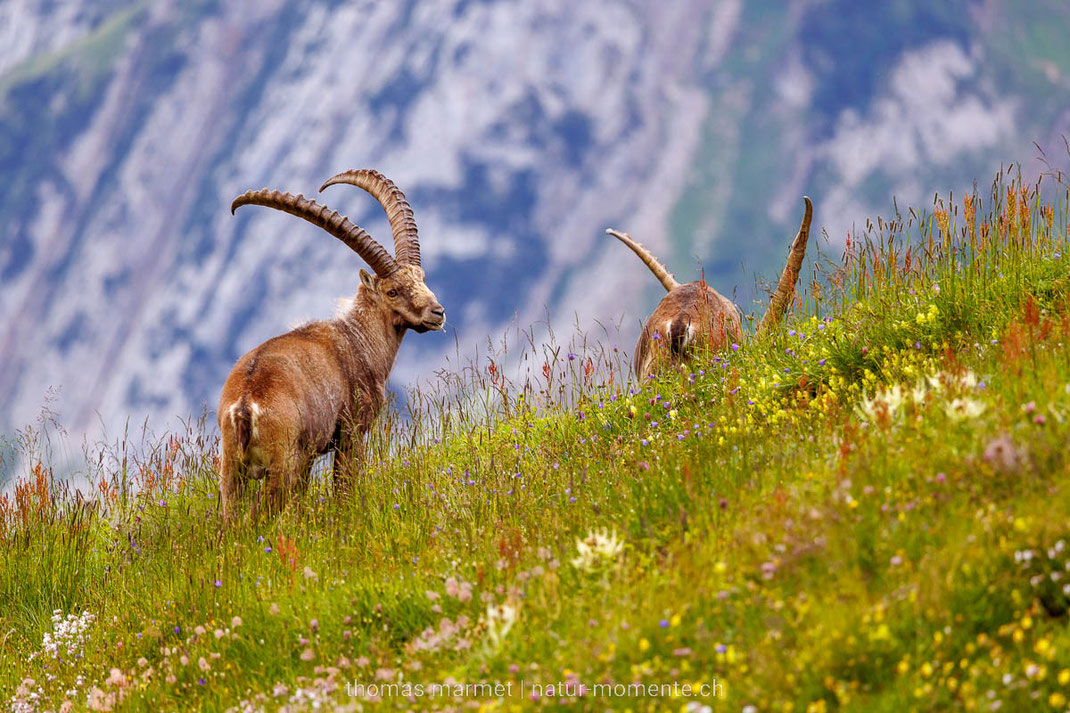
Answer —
318 388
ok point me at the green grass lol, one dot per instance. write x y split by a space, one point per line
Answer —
865 511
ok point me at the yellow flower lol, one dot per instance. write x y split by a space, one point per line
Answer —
643 645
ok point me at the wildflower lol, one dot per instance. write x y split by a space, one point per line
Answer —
963 409
461 591
68 634
596 548
887 402
499 620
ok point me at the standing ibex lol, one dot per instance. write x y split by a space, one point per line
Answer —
696 312
318 388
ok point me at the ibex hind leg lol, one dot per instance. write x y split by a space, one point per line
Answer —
230 477
286 474
348 449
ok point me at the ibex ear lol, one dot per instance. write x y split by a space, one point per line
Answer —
367 279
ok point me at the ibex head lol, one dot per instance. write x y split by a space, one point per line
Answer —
404 292
398 283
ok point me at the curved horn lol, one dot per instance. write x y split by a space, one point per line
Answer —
785 288
659 270
402 221
332 221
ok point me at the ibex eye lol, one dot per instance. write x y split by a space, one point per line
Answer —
392 293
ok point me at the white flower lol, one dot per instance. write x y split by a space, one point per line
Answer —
597 547
962 409
499 620
68 634
889 401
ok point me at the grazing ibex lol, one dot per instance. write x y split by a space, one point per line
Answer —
696 312
318 388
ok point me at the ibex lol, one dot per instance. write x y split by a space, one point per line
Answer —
318 388
696 312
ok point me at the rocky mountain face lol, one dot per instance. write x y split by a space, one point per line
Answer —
518 130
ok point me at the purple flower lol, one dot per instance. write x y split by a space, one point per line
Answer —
664 623
821 362
721 648
218 583
571 356
735 347
267 549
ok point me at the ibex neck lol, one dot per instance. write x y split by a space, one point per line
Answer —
373 336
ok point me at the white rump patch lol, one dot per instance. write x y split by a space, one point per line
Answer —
690 335
254 420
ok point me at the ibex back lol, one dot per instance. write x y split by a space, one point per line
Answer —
318 388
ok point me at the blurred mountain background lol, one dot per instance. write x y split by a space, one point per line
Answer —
519 131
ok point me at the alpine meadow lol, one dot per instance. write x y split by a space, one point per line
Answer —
864 509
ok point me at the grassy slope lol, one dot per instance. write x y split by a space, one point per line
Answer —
793 527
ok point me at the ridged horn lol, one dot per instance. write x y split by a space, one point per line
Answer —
398 210
785 288
659 270
330 220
